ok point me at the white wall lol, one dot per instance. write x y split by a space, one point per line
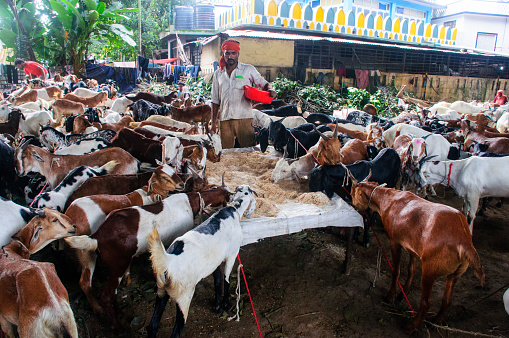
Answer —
470 24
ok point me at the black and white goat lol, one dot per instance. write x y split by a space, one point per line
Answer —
195 255
57 197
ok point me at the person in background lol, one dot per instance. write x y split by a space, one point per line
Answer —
500 98
229 105
183 92
32 68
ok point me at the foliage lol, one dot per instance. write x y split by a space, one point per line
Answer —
324 99
77 22
199 87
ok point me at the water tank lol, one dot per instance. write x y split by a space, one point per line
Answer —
183 17
204 16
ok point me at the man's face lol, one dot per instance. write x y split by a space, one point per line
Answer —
180 87
20 65
231 57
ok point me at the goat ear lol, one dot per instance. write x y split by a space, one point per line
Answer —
159 162
39 212
335 135
37 157
253 192
35 236
354 180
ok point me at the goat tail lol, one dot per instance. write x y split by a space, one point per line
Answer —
158 258
82 243
474 259
109 166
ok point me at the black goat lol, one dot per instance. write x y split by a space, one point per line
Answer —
288 110
12 125
262 137
142 109
281 137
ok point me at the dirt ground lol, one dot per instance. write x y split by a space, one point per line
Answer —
298 285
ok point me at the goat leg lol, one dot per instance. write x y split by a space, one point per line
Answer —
179 323
396 258
218 276
160 305
427 282
410 277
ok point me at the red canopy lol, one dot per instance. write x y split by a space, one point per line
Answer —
163 61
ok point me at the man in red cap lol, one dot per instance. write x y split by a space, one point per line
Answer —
500 98
229 105
31 68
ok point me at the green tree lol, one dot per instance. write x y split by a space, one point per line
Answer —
76 23
19 26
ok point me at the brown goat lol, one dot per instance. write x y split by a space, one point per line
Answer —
12 125
64 107
482 127
30 96
353 133
353 150
55 168
92 101
435 233
497 145
33 297
80 124
110 185
329 148
197 114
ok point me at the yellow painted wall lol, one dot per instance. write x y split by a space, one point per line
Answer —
211 52
265 52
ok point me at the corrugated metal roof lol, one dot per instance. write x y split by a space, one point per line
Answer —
287 36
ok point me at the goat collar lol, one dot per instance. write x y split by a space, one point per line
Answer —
449 174
373 191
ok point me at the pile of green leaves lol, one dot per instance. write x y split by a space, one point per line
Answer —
199 87
316 98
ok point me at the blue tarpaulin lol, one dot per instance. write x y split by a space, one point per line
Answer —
124 77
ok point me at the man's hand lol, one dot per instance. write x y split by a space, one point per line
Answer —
213 128
273 93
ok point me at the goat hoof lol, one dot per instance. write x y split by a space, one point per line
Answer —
218 309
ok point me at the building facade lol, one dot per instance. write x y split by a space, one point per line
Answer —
483 24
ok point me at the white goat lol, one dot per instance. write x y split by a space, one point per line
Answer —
83 147
32 122
120 105
195 255
14 217
57 197
506 301
503 123
466 108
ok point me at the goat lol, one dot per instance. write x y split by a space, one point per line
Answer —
65 107
197 114
390 134
143 109
197 254
121 104
142 148
33 297
435 233
58 196
353 151
92 101
89 212
498 145
153 98
53 139
283 111
30 96
286 169
49 93
83 147
333 178
55 168
168 121
191 130
123 235
110 185
31 123
11 127
472 179
465 108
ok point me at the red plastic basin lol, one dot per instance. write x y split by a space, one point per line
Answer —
258 95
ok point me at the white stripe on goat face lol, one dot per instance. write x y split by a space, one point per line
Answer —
419 149
168 170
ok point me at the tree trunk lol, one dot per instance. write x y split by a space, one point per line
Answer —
21 29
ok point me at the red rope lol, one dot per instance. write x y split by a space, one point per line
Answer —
386 258
250 299
36 197
449 175
2 335
307 151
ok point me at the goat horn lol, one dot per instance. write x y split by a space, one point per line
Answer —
426 158
325 137
222 180
335 135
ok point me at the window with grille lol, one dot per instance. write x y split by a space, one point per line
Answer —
451 24
486 41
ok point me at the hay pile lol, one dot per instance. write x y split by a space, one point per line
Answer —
255 169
